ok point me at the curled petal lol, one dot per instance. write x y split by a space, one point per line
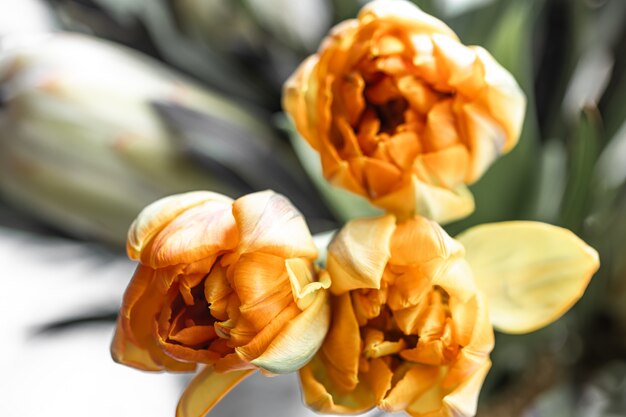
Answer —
303 286
531 272
261 283
358 254
298 341
299 99
318 393
417 380
460 402
134 343
206 390
159 214
200 232
259 342
269 223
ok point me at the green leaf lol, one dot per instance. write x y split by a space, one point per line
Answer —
583 155
503 193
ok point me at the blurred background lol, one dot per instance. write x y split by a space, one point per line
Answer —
107 105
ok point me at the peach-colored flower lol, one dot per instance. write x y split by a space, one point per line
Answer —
228 284
402 113
412 310
410 330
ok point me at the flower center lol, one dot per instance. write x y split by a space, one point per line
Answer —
422 333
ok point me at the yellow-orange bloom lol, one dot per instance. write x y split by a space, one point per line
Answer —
410 326
402 113
228 284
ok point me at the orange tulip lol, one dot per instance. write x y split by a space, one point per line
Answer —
410 330
413 309
228 284
402 113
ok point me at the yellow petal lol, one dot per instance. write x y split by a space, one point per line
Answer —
298 341
531 272
269 223
157 215
358 254
206 390
303 284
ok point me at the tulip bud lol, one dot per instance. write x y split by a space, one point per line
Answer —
82 148
413 309
231 285
402 113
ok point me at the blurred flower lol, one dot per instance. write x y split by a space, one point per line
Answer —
411 329
228 284
81 146
403 113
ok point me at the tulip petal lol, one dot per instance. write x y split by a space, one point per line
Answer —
299 99
206 390
531 272
404 12
474 354
303 286
359 252
485 139
134 343
269 223
459 60
197 233
157 215
419 232
380 176
318 392
341 349
262 285
441 129
460 402
417 380
262 340
323 394
299 340
437 203
446 167
502 97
